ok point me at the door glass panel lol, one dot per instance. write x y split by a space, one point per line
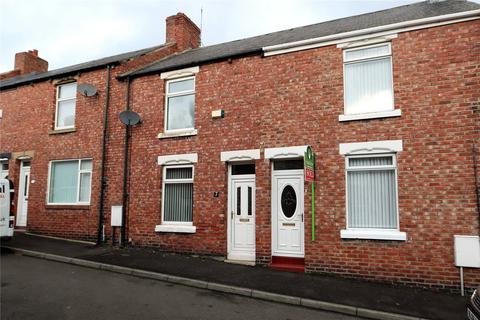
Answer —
25 186
289 201
26 163
239 200
288 164
243 169
249 201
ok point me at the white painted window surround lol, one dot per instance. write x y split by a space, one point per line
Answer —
240 155
375 234
285 152
371 147
371 115
375 164
176 161
175 228
180 73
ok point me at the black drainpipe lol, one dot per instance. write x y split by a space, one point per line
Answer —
125 170
103 179
477 186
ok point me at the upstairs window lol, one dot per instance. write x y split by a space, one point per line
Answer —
368 82
65 109
180 104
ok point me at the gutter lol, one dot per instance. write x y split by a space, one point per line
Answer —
370 32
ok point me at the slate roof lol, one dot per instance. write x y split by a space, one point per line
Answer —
254 45
39 76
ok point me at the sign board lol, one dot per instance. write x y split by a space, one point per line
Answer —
467 251
309 165
116 216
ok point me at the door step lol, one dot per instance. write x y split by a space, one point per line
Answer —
288 264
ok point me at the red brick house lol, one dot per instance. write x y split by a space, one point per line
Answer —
388 102
54 142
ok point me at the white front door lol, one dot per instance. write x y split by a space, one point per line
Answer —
241 228
23 188
287 214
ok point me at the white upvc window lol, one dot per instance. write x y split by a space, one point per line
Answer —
65 106
368 80
180 105
177 195
372 197
69 182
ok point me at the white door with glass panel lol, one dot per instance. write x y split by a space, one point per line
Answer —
23 189
241 235
287 213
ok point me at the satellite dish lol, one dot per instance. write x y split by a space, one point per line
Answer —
129 118
87 90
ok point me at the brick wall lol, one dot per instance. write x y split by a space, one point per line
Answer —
270 102
28 119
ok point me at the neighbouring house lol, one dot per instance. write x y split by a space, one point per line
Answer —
388 101
54 136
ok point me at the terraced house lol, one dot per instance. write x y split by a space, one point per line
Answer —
387 101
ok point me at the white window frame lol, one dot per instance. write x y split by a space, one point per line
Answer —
79 172
178 94
372 233
368 115
58 100
175 181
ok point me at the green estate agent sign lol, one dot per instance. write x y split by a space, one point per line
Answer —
309 165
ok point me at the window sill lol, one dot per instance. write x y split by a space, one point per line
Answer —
67 207
373 234
175 228
165 135
60 131
373 115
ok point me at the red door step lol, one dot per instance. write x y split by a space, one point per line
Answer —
288 264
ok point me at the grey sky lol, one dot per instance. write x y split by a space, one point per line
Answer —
69 32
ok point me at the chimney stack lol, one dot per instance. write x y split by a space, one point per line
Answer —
182 31
28 62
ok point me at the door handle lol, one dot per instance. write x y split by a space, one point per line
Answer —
231 214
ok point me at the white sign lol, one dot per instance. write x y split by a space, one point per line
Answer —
467 251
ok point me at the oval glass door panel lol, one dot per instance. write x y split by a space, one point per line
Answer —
289 201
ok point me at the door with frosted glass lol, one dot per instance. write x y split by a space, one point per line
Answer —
287 213
242 218
23 190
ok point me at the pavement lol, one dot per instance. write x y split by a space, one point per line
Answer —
353 297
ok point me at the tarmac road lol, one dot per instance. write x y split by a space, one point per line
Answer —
39 289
